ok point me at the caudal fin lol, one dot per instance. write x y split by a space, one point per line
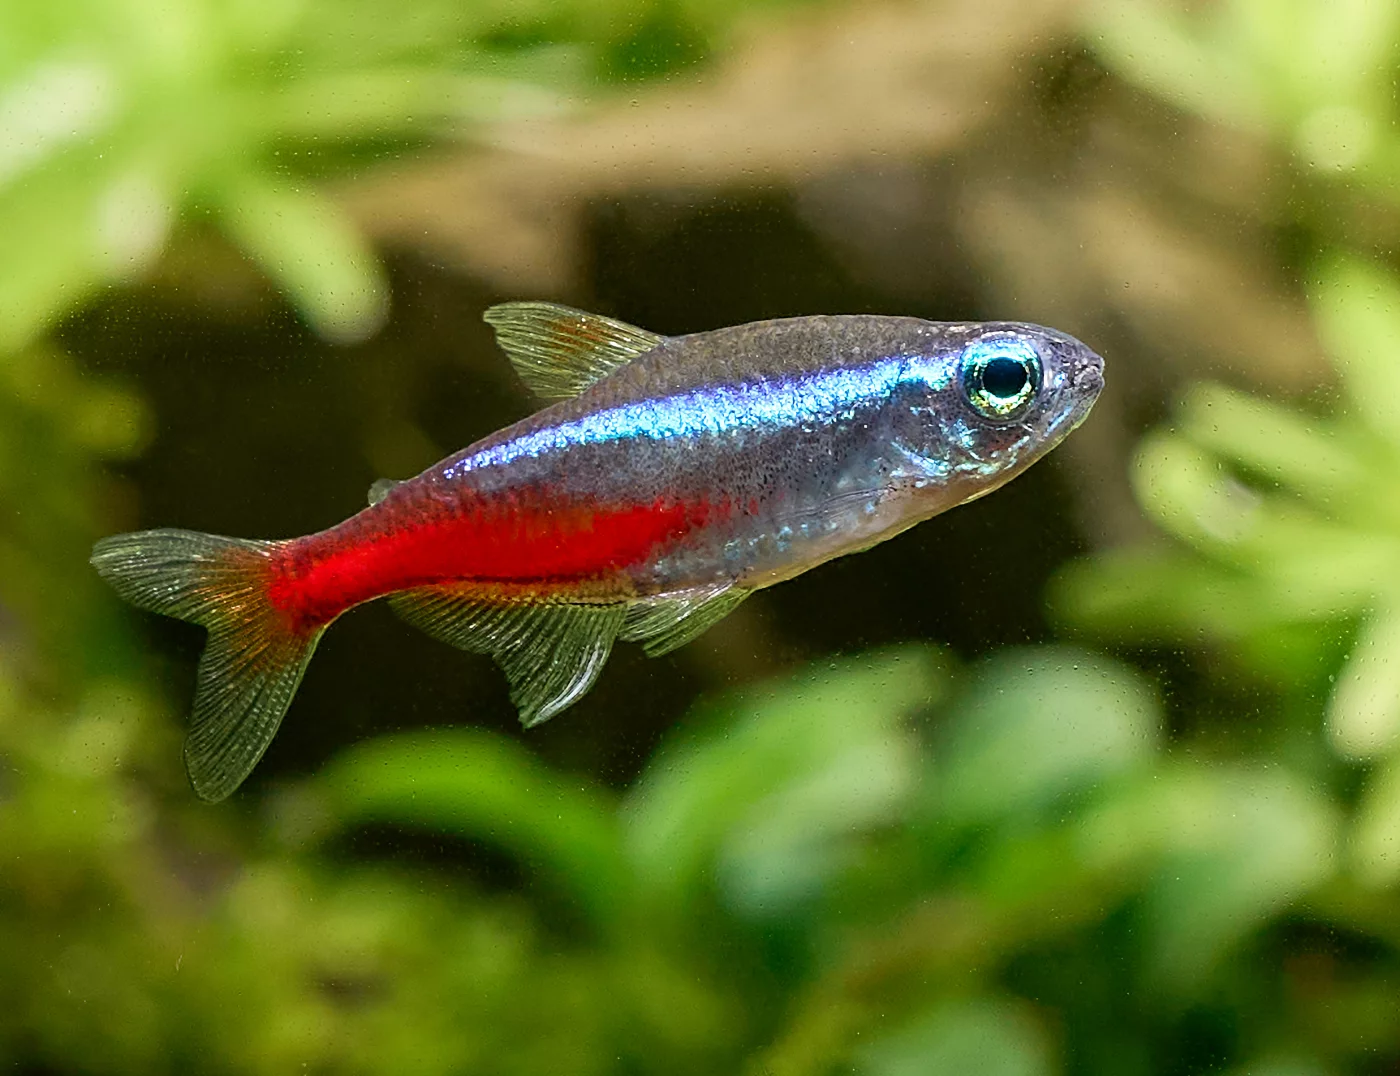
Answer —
254 658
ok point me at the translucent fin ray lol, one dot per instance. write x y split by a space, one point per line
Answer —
253 660
246 681
551 654
559 351
663 624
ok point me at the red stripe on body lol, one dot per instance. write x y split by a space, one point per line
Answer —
321 576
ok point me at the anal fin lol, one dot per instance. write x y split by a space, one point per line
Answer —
551 653
662 624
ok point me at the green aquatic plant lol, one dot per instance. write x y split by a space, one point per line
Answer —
1283 525
872 859
119 122
1286 535
1315 74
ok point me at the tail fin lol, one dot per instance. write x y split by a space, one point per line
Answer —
254 658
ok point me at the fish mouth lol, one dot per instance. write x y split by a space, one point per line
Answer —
1084 383
1088 373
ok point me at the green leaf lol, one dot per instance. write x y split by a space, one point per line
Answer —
1275 442
1157 46
1037 724
52 105
1228 847
1154 595
312 250
1363 716
772 782
1187 492
1341 50
48 261
397 102
1357 306
804 833
479 785
1374 845
985 1036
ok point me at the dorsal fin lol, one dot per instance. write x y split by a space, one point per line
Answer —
380 489
559 351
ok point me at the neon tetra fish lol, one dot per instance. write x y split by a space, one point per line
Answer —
673 477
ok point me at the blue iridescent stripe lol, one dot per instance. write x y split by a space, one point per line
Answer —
821 396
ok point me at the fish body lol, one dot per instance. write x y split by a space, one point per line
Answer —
742 456
675 476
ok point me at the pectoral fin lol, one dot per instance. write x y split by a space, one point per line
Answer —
551 653
663 624
559 351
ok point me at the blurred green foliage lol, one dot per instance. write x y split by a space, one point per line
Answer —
1284 521
810 874
1318 76
886 864
119 119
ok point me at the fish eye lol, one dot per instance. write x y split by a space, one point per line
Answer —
1000 376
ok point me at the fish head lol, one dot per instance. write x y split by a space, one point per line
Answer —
996 397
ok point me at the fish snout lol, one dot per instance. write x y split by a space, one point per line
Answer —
1088 374
1082 381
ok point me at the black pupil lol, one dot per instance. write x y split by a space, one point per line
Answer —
1004 378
